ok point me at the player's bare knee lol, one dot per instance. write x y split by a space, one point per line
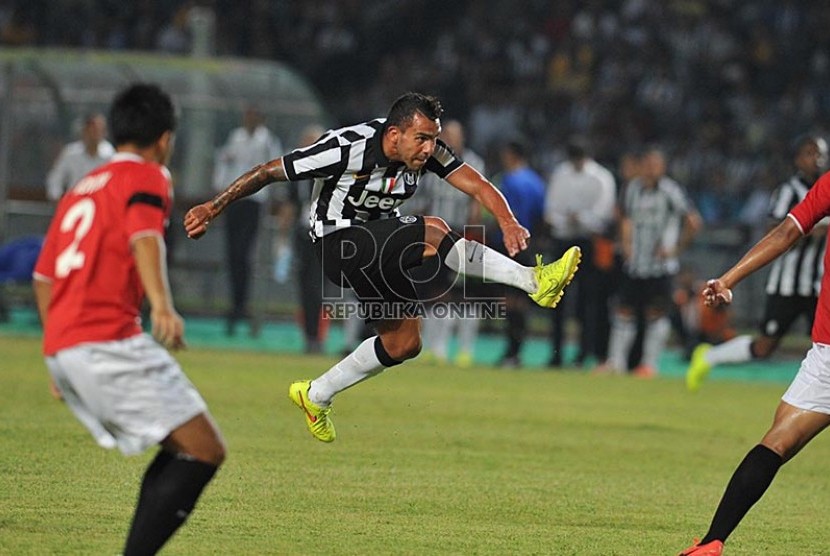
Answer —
435 230
436 224
782 445
763 348
213 453
401 348
218 453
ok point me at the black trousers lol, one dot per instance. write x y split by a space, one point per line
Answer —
310 282
589 303
241 227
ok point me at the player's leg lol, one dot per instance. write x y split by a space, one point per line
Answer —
381 281
658 326
132 394
623 326
544 283
803 413
173 482
792 429
779 314
395 342
380 255
432 284
467 336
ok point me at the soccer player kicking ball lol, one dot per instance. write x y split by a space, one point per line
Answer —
804 410
362 174
103 252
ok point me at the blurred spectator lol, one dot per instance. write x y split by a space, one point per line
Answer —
17 262
579 208
658 222
524 191
717 83
175 36
461 212
310 280
78 158
247 146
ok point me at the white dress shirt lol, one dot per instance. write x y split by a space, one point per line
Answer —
241 152
587 194
72 164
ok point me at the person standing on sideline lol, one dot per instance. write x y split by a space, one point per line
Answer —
794 280
80 157
658 222
103 253
458 211
804 409
309 271
362 174
524 191
579 208
246 146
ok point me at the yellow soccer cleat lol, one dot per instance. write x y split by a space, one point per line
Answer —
316 417
699 368
464 359
552 278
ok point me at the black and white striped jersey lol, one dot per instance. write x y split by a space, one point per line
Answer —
354 181
799 270
656 215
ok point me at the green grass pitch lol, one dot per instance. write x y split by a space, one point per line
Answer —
428 460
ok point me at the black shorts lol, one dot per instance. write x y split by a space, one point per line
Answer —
781 312
374 259
646 293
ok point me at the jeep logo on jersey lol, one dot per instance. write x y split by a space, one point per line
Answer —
370 200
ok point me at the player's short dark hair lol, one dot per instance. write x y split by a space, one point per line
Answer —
577 147
404 108
140 114
803 140
517 146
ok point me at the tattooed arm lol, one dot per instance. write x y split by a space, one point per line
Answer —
197 218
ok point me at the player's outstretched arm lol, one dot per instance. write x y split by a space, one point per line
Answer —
199 217
771 246
43 295
168 326
468 180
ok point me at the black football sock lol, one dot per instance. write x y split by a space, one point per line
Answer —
153 472
749 482
169 491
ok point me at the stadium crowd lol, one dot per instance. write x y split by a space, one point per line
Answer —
711 80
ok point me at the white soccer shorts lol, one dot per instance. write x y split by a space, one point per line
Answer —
810 389
130 393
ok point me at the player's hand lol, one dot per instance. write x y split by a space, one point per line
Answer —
716 293
168 328
515 237
197 219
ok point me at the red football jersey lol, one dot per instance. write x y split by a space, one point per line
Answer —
96 290
807 213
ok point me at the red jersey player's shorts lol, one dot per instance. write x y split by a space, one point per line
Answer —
808 389
130 394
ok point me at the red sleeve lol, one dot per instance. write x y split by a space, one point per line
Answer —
815 206
45 266
148 202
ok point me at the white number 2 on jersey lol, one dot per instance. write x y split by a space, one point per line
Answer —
78 218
